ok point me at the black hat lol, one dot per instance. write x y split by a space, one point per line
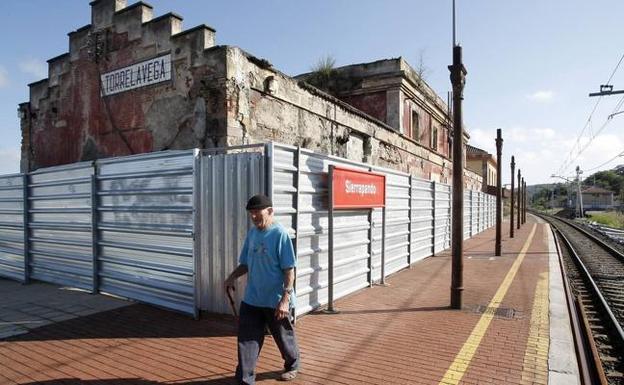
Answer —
259 202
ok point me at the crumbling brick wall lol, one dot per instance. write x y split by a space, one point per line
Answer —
69 119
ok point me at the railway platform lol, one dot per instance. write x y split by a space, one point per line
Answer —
513 329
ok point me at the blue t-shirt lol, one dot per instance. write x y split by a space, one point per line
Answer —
267 253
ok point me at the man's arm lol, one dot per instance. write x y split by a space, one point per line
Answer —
238 272
283 308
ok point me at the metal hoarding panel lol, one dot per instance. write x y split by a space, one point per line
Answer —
430 220
422 217
397 222
442 217
12 227
467 215
145 228
350 227
60 225
227 182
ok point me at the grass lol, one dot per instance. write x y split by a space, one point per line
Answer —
607 218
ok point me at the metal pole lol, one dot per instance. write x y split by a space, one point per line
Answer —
409 226
370 248
297 221
268 153
499 192
458 77
523 201
26 233
519 197
522 204
526 200
95 283
511 221
330 247
433 218
370 245
580 194
383 245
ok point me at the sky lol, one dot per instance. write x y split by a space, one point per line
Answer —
531 63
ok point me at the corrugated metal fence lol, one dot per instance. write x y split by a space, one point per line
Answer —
12 226
166 228
418 223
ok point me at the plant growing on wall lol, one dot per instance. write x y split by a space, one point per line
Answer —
322 73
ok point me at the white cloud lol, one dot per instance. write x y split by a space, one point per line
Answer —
4 77
539 151
541 96
34 67
9 160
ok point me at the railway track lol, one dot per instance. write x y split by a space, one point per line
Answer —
594 272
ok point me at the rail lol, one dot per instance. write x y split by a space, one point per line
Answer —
598 306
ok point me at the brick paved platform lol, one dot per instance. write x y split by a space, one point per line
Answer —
403 333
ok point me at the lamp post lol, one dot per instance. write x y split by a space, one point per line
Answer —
513 175
458 80
519 219
499 192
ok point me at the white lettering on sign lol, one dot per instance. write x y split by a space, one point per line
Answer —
359 188
141 74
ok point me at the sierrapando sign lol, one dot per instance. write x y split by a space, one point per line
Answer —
356 189
145 73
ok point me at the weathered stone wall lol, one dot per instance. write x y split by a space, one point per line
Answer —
264 104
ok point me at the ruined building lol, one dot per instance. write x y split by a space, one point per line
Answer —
134 83
484 164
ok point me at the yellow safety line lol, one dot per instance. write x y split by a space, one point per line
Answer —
535 363
458 368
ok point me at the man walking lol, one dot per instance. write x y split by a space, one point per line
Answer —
268 259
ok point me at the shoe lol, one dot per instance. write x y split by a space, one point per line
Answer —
288 375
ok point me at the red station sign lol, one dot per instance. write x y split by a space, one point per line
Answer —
355 189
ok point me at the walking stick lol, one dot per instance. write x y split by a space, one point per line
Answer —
232 305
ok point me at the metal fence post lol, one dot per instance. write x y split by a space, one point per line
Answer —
383 245
198 199
26 219
409 224
268 153
297 209
370 248
95 283
471 213
433 217
330 241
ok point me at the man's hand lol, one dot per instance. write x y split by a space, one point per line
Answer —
229 282
283 307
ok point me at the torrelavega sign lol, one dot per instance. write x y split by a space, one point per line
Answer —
137 75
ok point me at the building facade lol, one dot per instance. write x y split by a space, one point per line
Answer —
597 198
134 83
484 164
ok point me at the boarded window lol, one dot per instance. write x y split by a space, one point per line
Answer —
415 126
434 138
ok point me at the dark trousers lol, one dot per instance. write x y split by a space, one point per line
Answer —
252 324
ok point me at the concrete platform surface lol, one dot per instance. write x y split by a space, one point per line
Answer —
403 333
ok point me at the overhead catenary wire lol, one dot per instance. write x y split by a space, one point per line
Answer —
577 147
605 163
